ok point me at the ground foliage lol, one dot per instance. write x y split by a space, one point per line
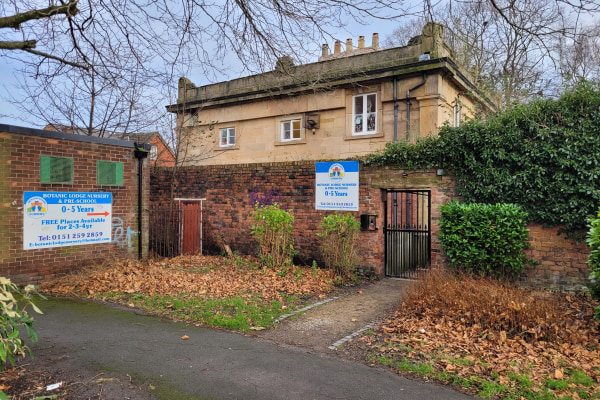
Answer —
494 340
207 276
542 155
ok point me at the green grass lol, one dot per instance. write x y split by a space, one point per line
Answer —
487 386
234 313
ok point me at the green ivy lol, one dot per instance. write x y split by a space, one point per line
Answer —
542 156
485 239
593 240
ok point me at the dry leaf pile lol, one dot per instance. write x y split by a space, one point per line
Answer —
475 327
209 276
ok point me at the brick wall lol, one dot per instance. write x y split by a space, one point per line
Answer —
20 151
561 261
228 191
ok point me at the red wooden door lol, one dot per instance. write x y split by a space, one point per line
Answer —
191 228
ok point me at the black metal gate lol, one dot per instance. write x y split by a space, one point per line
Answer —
407 232
176 229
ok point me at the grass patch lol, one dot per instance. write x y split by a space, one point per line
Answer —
234 313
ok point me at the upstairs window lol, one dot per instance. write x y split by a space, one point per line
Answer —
153 153
109 173
364 114
227 137
291 130
56 169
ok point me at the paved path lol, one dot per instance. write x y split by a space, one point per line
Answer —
328 327
147 357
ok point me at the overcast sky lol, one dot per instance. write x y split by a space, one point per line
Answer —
10 115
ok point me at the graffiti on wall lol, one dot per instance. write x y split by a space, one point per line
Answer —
120 235
266 199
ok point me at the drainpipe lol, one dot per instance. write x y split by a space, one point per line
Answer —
395 111
408 104
141 152
408 133
395 195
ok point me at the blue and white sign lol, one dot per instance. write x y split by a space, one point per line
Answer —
54 219
336 186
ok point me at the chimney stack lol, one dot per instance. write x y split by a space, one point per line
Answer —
348 45
361 42
375 42
325 50
338 47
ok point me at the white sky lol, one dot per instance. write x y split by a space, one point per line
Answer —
9 114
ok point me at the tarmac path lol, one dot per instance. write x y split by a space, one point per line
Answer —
134 356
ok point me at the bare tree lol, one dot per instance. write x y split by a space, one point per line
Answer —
579 56
510 47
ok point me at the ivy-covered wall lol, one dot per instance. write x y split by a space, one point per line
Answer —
543 156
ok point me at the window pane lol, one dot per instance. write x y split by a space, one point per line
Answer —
231 136
371 122
358 105
223 133
296 128
285 130
371 103
358 126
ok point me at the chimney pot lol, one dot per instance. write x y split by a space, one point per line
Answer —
361 42
348 45
325 50
338 47
375 42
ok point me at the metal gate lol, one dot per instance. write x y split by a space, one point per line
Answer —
177 229
407 232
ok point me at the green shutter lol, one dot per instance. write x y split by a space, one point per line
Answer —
109 173
56 169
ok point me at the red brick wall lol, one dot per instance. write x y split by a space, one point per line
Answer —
561 261
20 150
228 191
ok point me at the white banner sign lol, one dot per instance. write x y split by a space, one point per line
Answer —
54 219
336 186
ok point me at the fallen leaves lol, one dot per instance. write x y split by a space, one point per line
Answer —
209 276
460 330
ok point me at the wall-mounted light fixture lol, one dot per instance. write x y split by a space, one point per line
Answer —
312 122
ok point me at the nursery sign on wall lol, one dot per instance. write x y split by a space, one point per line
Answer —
54 219
336 186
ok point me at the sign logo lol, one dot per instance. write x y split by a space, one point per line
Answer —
336 171
36 207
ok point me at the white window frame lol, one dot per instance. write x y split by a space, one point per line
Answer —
366 118
229 138
153 152
292 130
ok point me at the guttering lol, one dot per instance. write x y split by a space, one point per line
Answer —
418 85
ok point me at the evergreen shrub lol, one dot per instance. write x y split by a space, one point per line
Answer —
485 239
338 243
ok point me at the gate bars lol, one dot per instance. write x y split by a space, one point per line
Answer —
407 232
177 229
